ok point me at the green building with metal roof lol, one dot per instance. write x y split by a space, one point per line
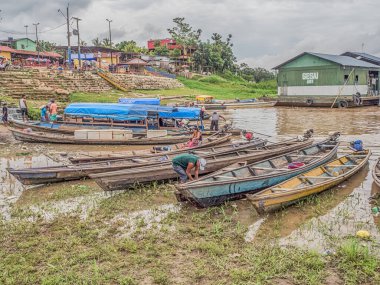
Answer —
315 79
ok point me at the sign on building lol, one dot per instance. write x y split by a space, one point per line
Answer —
310 77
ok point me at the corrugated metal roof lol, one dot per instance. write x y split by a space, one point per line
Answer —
345 60
339 59
363 56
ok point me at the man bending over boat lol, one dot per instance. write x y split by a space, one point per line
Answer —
184 163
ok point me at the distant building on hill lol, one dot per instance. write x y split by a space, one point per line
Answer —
169 43
20 44
183 60
315 79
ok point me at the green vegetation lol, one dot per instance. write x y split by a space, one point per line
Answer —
107 97
187 246
221 88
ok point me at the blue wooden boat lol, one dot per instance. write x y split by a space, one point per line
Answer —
234 181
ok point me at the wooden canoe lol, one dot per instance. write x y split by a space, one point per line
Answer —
234 182
376 173
41 175
44 137
312 182
212 144
123 179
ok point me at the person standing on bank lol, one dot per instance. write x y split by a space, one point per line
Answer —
215 121
184 163
24 108
202 116
5 114
53 111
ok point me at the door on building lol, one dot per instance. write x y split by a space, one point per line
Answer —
285 88
373 83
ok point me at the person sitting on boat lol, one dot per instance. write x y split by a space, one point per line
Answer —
184 163
44 113
196 138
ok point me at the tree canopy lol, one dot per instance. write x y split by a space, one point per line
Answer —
184 34
130 47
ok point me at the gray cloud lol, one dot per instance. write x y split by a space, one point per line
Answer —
265 33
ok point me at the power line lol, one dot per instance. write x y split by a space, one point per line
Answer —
23 33
52 29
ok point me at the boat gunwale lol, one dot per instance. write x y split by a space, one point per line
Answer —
376 177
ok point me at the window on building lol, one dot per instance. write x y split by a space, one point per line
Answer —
345 77
356 79
22 46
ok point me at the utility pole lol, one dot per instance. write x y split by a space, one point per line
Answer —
38 49
68 33
79 59
26 35
109 30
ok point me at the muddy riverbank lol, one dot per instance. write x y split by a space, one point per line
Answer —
73 232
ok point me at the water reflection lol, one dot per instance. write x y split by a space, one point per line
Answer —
10 188
293 121
344 220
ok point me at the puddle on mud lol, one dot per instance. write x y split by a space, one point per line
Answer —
304 225
10 188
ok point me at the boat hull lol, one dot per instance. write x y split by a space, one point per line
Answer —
42 175
213 194
282 199
65 139
125 179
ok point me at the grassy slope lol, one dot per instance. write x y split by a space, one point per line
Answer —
220 88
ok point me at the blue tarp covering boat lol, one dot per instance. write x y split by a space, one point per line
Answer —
140 101
129 112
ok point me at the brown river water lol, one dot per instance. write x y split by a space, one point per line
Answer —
315 224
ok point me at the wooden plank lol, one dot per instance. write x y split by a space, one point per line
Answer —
268 168
224 177
342 165
315 177
316 156
281 189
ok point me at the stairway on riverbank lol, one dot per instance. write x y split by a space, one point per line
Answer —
46 84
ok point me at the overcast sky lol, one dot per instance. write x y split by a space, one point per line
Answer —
265 32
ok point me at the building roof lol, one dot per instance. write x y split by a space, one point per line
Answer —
88 49
136 61
12 40
338 59
363 56
6 49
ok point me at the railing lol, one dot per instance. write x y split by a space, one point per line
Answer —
112 80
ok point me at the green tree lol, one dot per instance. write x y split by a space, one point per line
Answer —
46 46
97 42
262 74
215 55
130 47
106 42
184 35
175 53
